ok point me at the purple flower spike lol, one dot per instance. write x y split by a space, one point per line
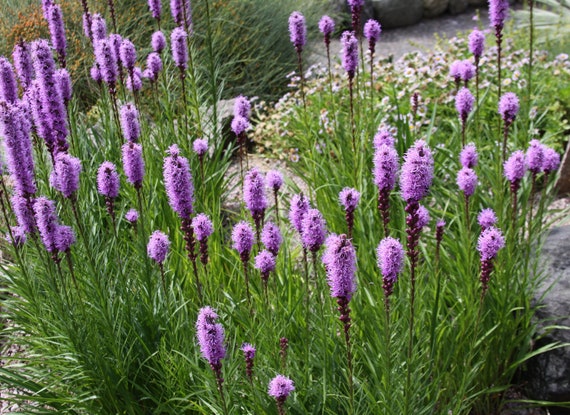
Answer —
477 44
242 238
64 238
108 180
158 246
271 237
239 125
95 74
23 63
8 86
535 156
280 388
63 80
107 60
158 42
242 107
65 175
130 122
155 8
467 71
487 218
23 210
116 41
464 104
132 216
390 254
417 172
134 80
265 263
202 226
47 222
128 54
490 242
509 107
249 354
178 183
468 156
254 194
326 26
181 13
274 180
154 66
200 146
57 31
551 160
133 164
179 48
299 207
349 198
210 335
98 28
498 12
515 167
349 53
384 136
372 30
455 71
313 230
423 217
18 236
87 20
385 167
339 260
297 31
467 181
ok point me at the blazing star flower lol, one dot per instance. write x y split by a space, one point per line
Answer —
65 175
349 198
155 8
179 48
57 29
106 59
239 125
64 238
515 167
349 53
498 12
23 63
299 207
339 260
390 254
383 136
468 156
477 43
242 107
8 86
132 216
254 192
535 156
242 238
464 104
158 41
467 71
271 237
417 172
467 181
108 180
47 222
265 263
385 167
23 210
202 226
487 218
200 146
326 26
249 354
64 83
509 107
98 27
551 160
372 30
16 236
133 163
130 122
158 246
178 183
95 74
210 335
455 70
154 66
274 180
313 230
297 31
134 80
423 217
128 54
280 388
181 13
490 242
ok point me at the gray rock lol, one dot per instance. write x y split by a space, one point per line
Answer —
563 183
457 6
548 374
397 13
434 8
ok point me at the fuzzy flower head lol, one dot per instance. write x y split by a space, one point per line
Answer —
271 237
16 236
349 198
464 104
509 107
158 246
106 59
8 86
535 156
467 71
200 147
128 54
349 52
63 79
98 27
385 167
383 136
390 254
178 183
65 175
477 43
248 351
490 242
130 122
339 260
108 180
132 216
155 8
297 31
417 172
455 70
239 125
515 167
467 181
498 12
181 13
265 263
134 80
254 192
202 226
56 29
64 238
23 210
274 180
242 238
372 30
133 163
280 387
313 230
158 41
487 218
210 335
468 156
355 3
153 66
551 160
299 207
179 48
423 217
326 26
242 107
23 63
47 222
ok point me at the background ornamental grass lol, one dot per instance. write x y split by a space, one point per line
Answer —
123 338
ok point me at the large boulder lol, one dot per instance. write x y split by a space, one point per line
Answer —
457 6
433 8
397 13
548 374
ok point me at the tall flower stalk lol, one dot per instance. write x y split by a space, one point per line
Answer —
350 64
498 11
463 104
514 171
476 47
280 388
255 200
274 180
384 173
298 36
508 110
242 238
326 27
